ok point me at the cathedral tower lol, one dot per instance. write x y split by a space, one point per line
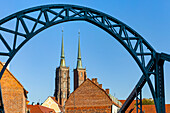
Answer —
80 72
62 79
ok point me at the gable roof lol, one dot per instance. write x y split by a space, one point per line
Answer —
104 92
88 80
60 106
39 109
6 70
1 66
55 101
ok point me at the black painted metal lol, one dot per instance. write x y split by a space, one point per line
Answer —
159 84
137 88
139 102
134 43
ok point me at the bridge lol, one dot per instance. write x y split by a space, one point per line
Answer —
117 29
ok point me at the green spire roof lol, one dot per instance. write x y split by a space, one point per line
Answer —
79 62
62 61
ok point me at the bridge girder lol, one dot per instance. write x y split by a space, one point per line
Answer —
133 42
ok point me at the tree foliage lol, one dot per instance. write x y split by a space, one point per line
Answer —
147 101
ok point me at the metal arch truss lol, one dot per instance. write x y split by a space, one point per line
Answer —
150 62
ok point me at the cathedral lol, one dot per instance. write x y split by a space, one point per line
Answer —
88 95
62 79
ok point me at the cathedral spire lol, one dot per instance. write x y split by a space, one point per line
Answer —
62 61
79 62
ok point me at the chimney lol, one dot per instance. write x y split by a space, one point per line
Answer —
100 85
96 81
107 91
54 98
93 80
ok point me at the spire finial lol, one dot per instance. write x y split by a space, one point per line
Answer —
62 30
62 61
79 33
79 62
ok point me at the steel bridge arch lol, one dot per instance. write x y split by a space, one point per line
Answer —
120 31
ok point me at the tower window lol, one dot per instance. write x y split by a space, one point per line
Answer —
81 74
64 84
64 75
64 95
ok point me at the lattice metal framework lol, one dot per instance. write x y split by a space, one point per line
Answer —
48 15
139 101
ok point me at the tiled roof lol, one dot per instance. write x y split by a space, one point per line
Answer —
99 88
25 91
1 66
131 107
145 108
151 108
105 93
39 109
167 107
114 99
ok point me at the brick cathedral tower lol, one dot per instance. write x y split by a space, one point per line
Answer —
62 79
80 72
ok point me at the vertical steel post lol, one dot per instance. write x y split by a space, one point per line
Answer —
136 102
159 85
139 101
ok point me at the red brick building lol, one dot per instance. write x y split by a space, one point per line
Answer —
79 73
13 93
89 97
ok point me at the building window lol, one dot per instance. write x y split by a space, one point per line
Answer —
64 95
64 75
64 84
81 74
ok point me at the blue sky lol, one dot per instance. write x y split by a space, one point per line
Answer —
104 58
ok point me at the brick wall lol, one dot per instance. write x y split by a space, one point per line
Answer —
88 97
62 84
100 109
13 96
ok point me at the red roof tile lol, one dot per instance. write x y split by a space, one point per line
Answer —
39 109
145 108
131 107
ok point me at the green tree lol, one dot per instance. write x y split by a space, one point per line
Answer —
146 101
